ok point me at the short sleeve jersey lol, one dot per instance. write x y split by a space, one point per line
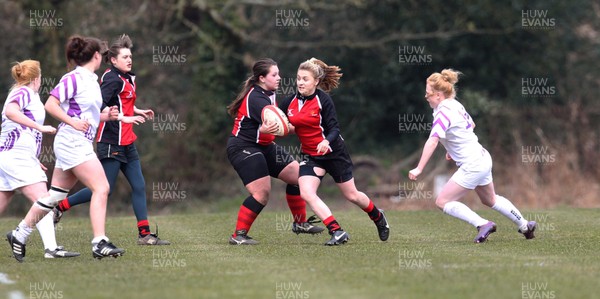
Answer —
249 116
80 97
454 126
13 134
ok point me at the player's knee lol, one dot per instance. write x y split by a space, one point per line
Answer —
137 189
52 198
261 195
101 189
110 189
308 196
440 202
46 203
488 200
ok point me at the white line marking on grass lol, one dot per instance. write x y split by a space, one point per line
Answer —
4 279
16 295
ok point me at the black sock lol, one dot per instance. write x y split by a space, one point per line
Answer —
332 224
143 228
375 214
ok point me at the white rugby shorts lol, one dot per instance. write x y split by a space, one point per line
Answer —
19 168
474 173
72 150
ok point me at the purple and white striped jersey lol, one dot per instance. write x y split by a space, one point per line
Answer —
454 126
79 94
16 136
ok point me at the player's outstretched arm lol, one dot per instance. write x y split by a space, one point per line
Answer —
428 150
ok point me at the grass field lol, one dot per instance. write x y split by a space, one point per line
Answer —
429 255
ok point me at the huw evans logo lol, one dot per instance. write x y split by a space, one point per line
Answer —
288 154
168 123
290 290
167 55
167 192
167 258
537 19
48 84
413 191
413 55
413 123
290 18
537 87
414 259
543 221
44 289
287 86
536 290
44 19
537 155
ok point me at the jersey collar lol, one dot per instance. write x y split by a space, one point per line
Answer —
127 75
267 92
306 98
442 104
87 72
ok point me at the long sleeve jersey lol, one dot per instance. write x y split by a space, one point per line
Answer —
314 118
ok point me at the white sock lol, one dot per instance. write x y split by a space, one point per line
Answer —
46 229
506 208
22 232
461 211
97 240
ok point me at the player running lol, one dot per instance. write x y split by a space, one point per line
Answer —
76 102
312 113
453 127
255 157
115 141
20 144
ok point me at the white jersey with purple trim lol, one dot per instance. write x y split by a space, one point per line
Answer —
79 94
454 126
18 137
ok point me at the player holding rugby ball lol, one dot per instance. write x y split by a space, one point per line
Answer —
256 158
312 113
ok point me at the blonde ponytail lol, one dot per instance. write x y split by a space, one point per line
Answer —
328 75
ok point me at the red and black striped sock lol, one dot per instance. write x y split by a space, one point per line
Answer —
249 210
143 228
372 211
332 224
296 203
64 205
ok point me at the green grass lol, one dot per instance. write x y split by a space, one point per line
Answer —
429 255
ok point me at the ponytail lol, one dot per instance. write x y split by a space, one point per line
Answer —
261 68
328 75
79 50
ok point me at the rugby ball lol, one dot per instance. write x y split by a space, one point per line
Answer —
272 114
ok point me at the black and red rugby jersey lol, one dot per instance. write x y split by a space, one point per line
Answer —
249 116
118 89
314 118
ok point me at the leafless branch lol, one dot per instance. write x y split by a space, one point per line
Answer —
395 37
